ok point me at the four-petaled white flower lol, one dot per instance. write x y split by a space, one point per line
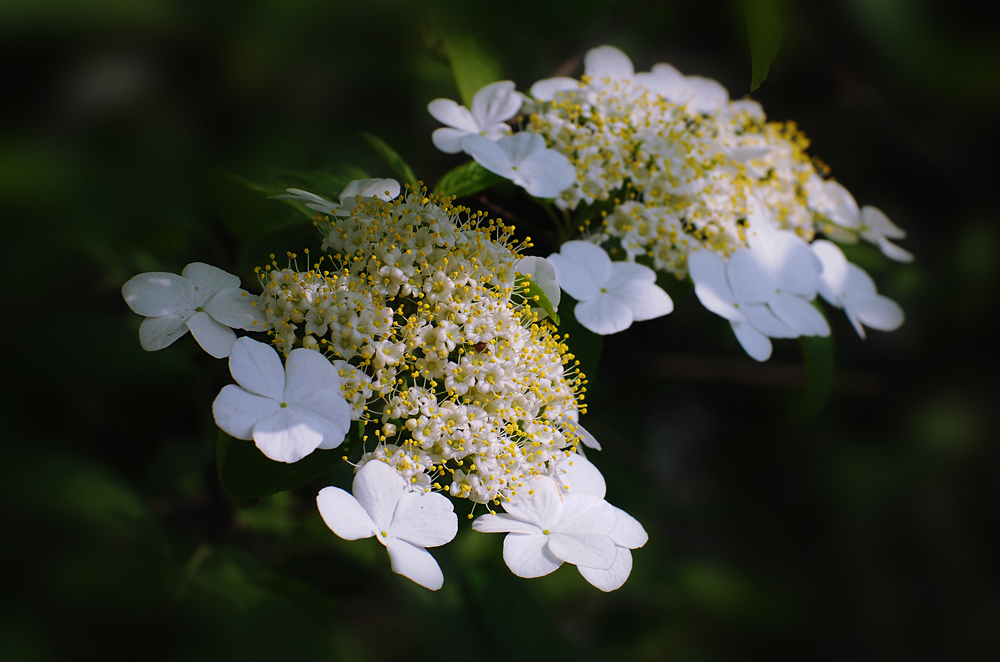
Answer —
204 300
525 160
575 473
405 522
752 323
386 189
848 286
610 295
779 270
492 106
546 528
288 411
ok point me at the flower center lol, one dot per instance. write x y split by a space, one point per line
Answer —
284 404
199 309
545 531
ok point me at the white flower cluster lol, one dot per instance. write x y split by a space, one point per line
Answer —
416 321
679 173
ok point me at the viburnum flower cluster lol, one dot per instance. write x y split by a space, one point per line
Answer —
416 322
674 169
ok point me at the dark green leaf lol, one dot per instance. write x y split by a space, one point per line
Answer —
247 474
818 354
245 210
472 67
765 29
466 179
392 159
529 290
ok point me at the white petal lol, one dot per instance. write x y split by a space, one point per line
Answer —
594 550
614 577
386 189
330 413
646 300
454 115
589 440
155 333
414 563
538 502
344 515
762 319
582 269
584 513
833 278
549 88
799 315
753 341
750 277
878 312
664 80
159 294
748 152
236 411
502 523
628 532
216 339
208 280
894 252
488 154
288 435
708 272
497 102
607 62
311 200
257 368
448 140
581 475
236 308
542 274
798 267
425 520
307 371
845 211
879 223
546 174
704 95
378 488
528 556
604 315
522 146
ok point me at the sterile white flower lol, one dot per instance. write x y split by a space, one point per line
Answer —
289 411
204 300
525 160
779 270
848 286
386 189
546 528
610 295
575 473
752 324
406 522
492 106
878 229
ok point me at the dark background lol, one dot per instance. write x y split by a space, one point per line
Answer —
861 532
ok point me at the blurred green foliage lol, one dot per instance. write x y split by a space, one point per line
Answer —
141 136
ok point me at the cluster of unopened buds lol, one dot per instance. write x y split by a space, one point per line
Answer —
426 323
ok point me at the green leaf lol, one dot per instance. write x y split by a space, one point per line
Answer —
765 29
472 67
247 474
392 159
818 354
467 179
529 290
246 212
